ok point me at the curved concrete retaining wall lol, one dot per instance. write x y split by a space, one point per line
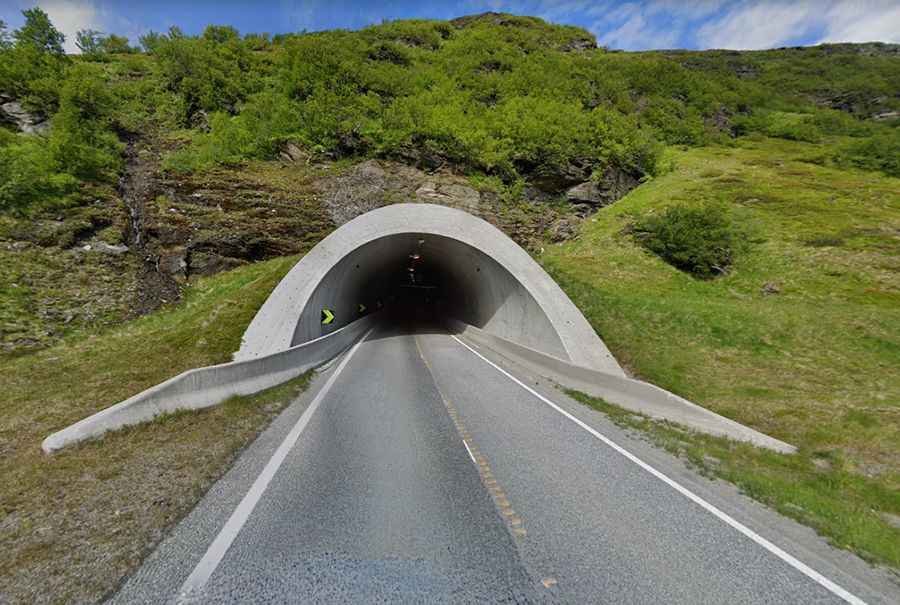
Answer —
634 395
504 289
208 386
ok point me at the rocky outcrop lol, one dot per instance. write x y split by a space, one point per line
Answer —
294 153
450 194
553 179
579 45
610 187
887 115
12 112
375 183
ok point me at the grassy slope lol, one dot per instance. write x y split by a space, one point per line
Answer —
73 524
814 365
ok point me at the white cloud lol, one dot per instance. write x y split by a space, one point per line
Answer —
69 17
754 25
648 24
760 25
735 24
636 33
862 22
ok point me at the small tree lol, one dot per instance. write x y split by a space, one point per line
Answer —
89 42
150 41
221 34
113 44
40 33
5 39
81 140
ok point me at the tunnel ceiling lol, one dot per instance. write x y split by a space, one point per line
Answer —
451 264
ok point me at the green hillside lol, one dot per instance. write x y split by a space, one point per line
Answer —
729 222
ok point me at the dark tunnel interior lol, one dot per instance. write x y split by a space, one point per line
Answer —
414 281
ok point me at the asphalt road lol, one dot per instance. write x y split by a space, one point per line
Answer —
417 471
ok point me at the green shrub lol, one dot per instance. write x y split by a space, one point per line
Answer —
880 152
214 72
30 178
267 120
792 126
780 124
32 67
699 240
833 122
81 140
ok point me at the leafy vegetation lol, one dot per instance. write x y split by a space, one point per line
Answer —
702 240
798 339
814 488
879 152
496 95
40 174
85 550
94 45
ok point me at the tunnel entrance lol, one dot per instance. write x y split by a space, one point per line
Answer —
423 264
426 278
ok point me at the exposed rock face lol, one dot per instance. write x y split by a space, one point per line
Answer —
12 112
450 194
373 183
579 45
294 153
887 115
206 263
104 248
591 195
721 121
553 179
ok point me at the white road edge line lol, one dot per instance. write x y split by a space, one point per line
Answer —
470 452
216 551
772 548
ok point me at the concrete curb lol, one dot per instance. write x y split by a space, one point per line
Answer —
211 385
634 395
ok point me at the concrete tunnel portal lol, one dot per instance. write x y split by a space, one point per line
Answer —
424 265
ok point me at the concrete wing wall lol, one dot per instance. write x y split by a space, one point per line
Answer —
211 385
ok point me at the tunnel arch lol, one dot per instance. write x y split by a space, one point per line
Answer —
478 275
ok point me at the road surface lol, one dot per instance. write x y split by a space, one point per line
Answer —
419 469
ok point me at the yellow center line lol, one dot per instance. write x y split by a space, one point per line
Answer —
513 521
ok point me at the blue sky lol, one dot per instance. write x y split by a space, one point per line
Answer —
629 25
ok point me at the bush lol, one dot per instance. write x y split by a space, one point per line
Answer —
880 152
31 68
81 140
780 124
214 72
701 241
30 177
259 131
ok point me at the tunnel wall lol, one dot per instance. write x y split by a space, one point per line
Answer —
511 296
476 290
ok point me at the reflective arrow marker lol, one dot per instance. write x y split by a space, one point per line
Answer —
361 308
327 316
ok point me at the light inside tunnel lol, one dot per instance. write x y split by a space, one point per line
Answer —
420 280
